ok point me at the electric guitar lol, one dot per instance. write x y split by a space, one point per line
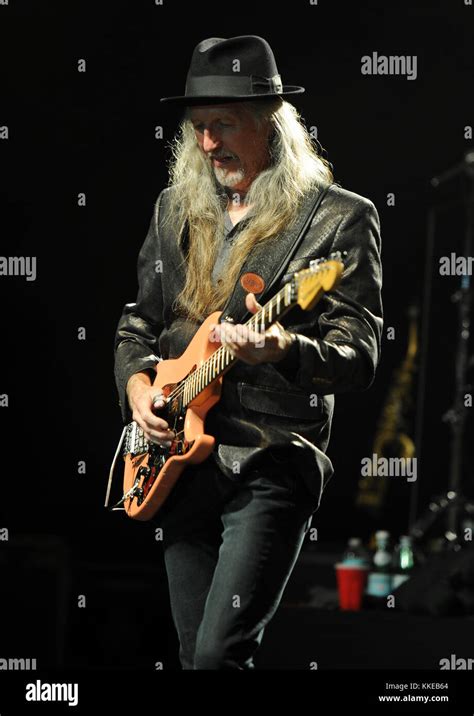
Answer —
191 386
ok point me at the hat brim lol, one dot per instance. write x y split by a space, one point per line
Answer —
212 99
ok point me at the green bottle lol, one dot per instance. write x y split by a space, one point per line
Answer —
403 561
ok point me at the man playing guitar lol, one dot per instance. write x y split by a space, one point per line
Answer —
244 171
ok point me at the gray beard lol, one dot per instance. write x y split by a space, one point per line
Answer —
227 178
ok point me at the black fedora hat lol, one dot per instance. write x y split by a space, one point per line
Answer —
230 70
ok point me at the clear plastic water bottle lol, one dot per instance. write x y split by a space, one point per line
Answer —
355 554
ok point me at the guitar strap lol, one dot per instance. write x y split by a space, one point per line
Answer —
263 263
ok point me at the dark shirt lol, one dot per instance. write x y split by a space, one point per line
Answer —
229 236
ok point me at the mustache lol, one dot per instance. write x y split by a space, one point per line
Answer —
221 155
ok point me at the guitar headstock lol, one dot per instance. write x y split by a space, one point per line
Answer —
321 276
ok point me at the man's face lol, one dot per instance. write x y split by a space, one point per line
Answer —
236 147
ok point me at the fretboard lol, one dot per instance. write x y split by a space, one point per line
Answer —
222 359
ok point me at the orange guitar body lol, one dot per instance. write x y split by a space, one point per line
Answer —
196 446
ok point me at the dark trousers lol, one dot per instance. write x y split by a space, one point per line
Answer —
230 546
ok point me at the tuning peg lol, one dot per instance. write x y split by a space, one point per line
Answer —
338 255
315 263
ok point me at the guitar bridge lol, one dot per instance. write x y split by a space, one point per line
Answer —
135 442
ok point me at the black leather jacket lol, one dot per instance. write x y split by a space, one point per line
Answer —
276 407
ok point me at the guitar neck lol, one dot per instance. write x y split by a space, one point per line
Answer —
222 359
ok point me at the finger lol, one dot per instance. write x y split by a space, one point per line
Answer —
151 439
153 435
158 400
251 303
274 331
153 423
228 334
240 335
149 421
159 437
214 333
231 347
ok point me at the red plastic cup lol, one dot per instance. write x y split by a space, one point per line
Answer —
351 581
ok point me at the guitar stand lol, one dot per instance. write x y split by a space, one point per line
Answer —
440 506
453 501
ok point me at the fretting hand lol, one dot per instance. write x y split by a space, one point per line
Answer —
253 347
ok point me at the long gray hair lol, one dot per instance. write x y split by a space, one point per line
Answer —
296 167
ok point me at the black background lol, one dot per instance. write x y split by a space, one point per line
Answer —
93 132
